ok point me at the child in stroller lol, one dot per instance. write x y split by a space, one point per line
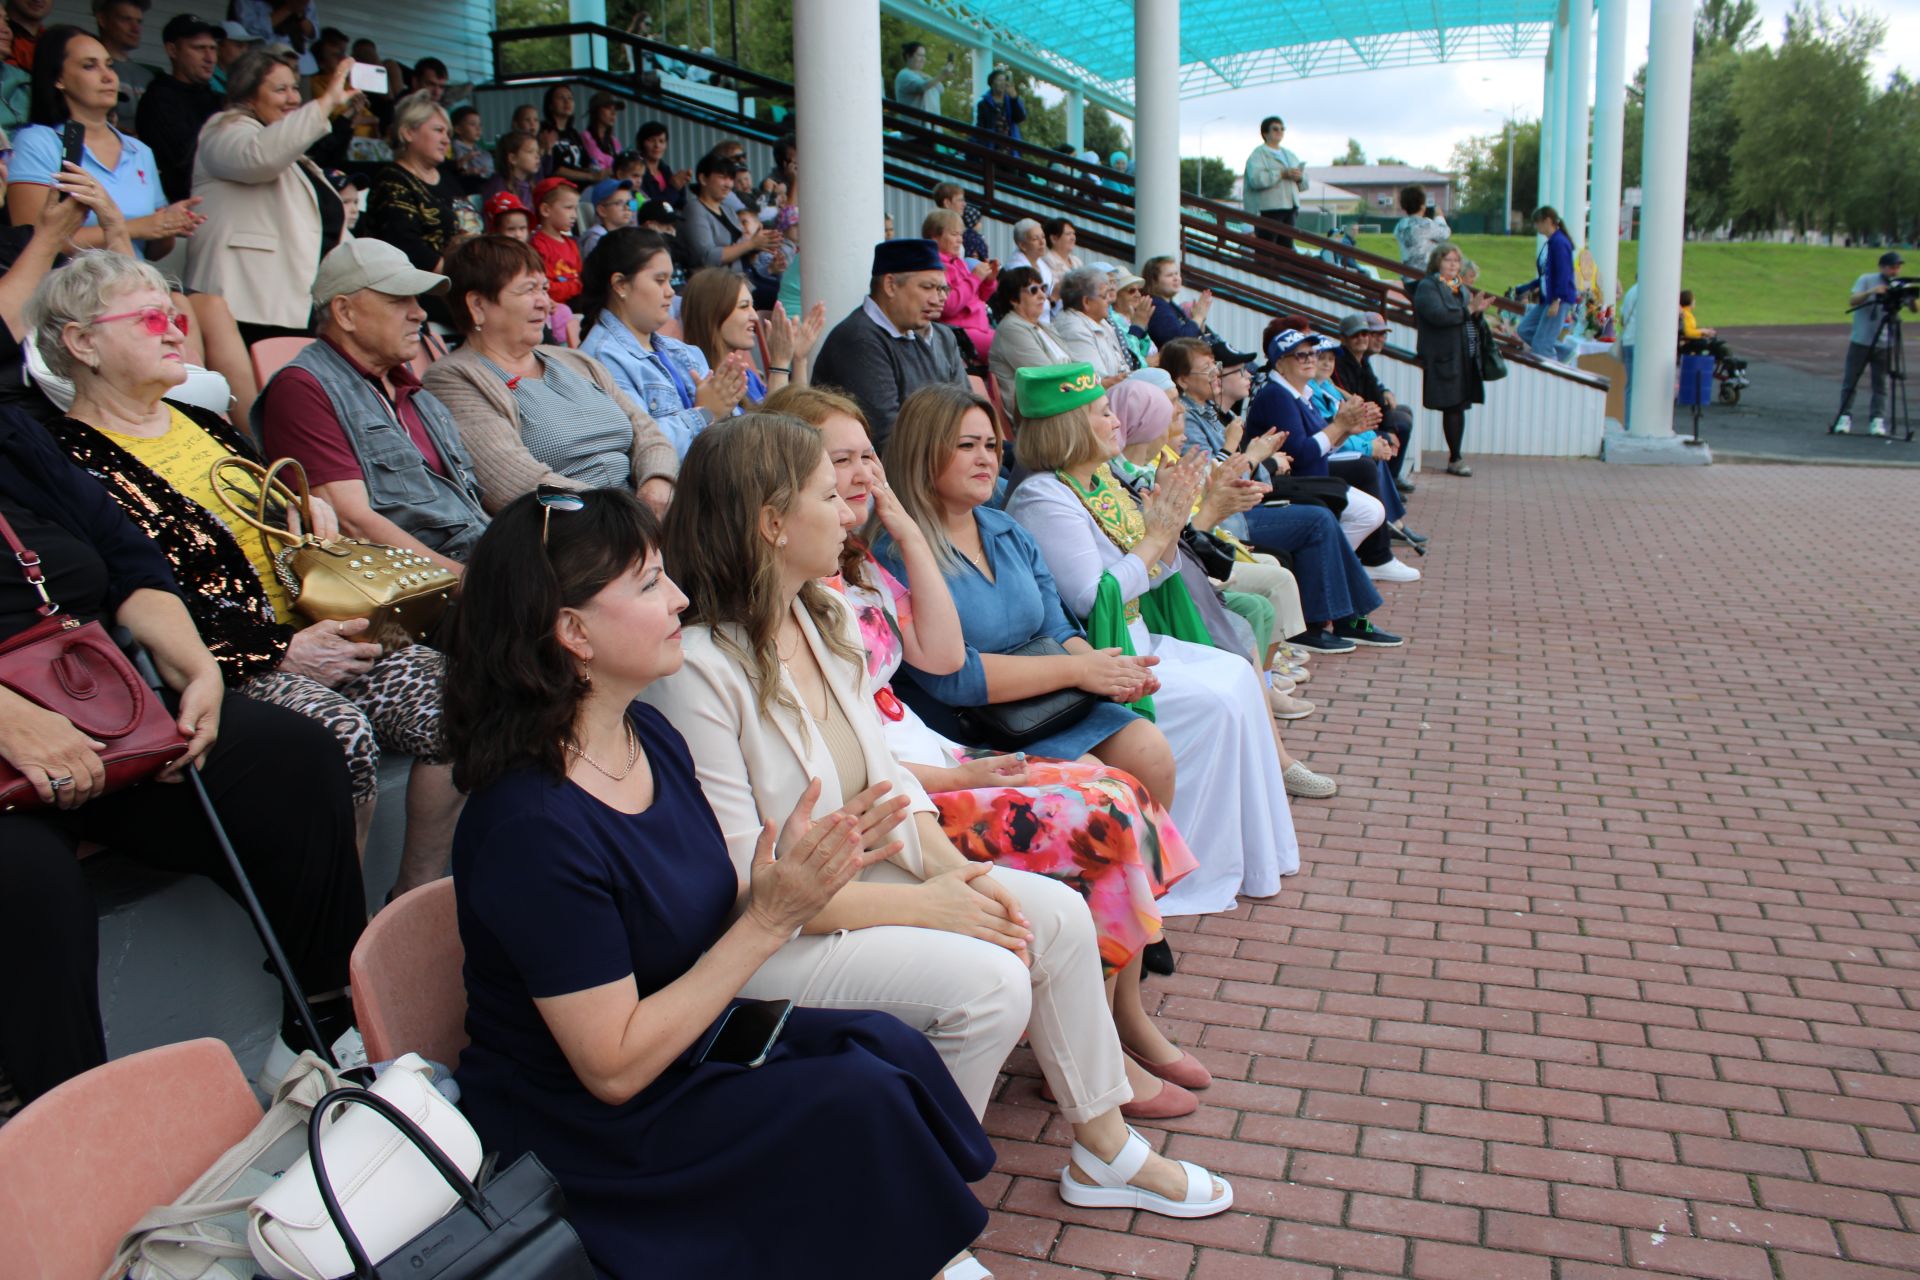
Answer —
1729 371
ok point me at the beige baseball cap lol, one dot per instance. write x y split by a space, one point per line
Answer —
371 264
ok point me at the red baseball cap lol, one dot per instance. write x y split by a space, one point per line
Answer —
547 186
504 202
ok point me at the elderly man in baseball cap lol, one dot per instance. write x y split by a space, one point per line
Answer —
335 404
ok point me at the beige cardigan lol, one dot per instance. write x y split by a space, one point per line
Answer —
753 768
260 245
489 421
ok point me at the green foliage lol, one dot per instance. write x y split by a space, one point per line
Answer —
1800 110
1209 176
532 55
1730 24
1353 154
1481 163
1389 160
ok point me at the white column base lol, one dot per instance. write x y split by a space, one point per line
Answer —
1653 451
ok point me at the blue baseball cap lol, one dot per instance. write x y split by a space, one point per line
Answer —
1285 343
602 190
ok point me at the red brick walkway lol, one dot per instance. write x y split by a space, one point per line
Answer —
1606 960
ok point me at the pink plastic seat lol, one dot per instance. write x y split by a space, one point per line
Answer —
270 353
80 1165
408 993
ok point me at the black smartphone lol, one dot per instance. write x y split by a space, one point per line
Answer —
73 141
747 1033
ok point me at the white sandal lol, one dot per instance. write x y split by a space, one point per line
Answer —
1112 1190
968 1268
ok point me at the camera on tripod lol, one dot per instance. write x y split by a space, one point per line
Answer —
1900 292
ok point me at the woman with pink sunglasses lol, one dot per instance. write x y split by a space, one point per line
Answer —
107 322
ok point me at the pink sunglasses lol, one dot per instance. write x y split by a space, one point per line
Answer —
155 319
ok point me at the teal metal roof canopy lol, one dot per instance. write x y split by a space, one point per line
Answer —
1234 44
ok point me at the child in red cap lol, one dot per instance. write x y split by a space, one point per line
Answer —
558 203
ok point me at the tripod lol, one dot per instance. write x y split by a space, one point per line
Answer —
1889 329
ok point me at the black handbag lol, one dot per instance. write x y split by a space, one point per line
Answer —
1216 558
1010 726
512 1229
1493 365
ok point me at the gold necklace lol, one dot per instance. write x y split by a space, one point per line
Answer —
633 755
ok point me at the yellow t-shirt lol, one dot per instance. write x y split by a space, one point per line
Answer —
183 457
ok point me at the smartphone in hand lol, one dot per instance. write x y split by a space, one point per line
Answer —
368 77
73 143
747 1033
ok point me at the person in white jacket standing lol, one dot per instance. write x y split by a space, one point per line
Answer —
1274 179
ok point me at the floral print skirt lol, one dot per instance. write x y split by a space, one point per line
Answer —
1086 825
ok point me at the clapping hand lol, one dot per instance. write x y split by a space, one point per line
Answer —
1169 504
721 391
814 861
1263 448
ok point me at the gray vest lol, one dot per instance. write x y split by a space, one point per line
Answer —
443 513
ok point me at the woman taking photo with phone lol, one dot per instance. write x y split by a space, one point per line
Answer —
597 972
271 213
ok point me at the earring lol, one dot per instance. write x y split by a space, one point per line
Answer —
781 541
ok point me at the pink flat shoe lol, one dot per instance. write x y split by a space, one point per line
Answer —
1170 1102
1186 1071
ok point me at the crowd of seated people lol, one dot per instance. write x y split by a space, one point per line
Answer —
983 605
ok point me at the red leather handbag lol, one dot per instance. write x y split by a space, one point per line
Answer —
74 669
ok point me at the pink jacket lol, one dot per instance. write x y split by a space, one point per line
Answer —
966 307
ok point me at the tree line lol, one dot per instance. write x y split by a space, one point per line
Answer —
1792 137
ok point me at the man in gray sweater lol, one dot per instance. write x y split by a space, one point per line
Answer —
890 346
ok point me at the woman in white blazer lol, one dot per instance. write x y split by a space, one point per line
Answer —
271 213
771 700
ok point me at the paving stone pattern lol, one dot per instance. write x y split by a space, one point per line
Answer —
1604 962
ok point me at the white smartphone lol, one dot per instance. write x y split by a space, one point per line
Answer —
368 77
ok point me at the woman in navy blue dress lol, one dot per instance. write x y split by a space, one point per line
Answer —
595 894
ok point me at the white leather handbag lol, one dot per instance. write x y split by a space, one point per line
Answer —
388 1191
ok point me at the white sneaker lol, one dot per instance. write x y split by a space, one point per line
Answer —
1305 784
1844 425
1392 571
1877 427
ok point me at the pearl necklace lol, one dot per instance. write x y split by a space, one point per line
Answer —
633 755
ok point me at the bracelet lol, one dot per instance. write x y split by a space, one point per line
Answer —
780 368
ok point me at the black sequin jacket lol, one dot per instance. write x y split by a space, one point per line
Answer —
220 585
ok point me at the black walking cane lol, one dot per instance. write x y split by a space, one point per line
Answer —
276 957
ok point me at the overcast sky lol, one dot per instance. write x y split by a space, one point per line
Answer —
1418 113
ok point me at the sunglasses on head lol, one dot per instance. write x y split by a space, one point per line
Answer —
156 319
552 500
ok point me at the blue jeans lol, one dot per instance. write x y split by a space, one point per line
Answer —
1626 405
1332 584
1541 331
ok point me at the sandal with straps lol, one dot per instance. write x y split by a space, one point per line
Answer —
1112 1190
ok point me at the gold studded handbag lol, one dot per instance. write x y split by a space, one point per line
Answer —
401 593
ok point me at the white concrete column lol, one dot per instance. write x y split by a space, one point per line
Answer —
1562 107
1549 119
1609 128
1579 117
1663 213
587 51
1077 117
982 68
1156 129
837 93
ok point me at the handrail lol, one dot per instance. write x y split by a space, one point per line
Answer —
987 161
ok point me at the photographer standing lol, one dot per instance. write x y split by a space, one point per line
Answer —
1864 352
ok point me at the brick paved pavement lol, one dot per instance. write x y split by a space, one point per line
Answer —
1606 961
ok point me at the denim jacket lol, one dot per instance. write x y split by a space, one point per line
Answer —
642 375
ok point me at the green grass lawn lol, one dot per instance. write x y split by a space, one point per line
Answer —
1733 284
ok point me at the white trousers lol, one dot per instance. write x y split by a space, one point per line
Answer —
1267 577
1229 799
1363 515
974 999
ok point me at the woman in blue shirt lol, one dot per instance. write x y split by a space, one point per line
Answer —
73 79
1554 290
626 299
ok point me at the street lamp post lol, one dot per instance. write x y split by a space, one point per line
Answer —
1200 163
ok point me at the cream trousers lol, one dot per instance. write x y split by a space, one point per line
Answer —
1267 577
974 999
